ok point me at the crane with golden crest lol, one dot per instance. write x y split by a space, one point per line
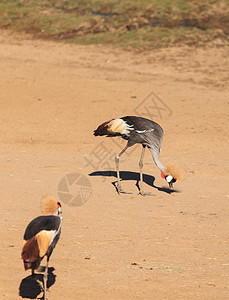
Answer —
41 237
138 130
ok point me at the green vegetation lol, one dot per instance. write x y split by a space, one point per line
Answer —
139 23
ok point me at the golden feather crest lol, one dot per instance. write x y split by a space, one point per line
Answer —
174 171
49 205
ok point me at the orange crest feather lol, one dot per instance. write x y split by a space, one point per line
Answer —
174 171
49 205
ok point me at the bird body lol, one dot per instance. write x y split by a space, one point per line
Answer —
41 236
127 126
137 130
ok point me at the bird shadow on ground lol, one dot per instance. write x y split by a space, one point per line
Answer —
126 175
30 287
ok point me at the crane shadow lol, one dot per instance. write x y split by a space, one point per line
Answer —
127 175
30 287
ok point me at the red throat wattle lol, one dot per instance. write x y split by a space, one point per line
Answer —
162 175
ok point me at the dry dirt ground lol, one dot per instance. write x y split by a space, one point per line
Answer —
167 246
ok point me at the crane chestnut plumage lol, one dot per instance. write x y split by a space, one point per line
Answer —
138 130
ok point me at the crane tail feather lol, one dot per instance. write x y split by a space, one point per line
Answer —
114 127
102 129
30 253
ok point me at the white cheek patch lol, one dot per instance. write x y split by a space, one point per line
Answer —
169 178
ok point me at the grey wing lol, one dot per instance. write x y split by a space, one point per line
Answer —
154 138
145 132
149 139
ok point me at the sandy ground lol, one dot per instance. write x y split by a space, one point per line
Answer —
167 246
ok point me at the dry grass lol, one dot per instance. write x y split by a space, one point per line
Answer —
138 24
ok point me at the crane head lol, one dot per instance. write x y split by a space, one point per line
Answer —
59 211
169 179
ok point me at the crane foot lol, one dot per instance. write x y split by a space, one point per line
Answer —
120 190
146 193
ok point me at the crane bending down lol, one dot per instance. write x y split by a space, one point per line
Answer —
41 237
142 131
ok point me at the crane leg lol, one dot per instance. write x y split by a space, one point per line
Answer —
141 192
46 278
119 188
37 280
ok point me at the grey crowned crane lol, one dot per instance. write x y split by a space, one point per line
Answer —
41 237
142 131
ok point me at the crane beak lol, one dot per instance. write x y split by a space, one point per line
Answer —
170 180
170 185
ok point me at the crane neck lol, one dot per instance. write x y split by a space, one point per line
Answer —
155 153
